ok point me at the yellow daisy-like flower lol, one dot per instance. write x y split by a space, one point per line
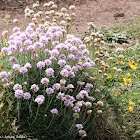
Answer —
0 54
131 103
129 81
129 75
130 108
115 95
117 62
121 62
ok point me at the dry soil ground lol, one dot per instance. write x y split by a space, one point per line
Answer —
101 12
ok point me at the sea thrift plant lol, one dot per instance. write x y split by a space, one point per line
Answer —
50 74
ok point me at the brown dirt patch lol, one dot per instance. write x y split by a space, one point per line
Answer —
101 12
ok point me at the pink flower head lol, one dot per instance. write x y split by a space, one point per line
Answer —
3 74
4 50
4 33
31 48
54 111
60 95
87 65
40 99
23 50
35 87
38 45
43 40
55 43
16 29
62 63
50 72
74 68
71 74
23 70
48 62
85 74
79 54
12 48
16 67
33 37
45 81
73 49
32 25
49 35
28 43
49 90
27 95
56 86
62 56
62 81
79 126
27 65
19 93
68 67
29 30
70 86
17 87
82 47
54 52
64 73
13 59
63 23
85 52
40 64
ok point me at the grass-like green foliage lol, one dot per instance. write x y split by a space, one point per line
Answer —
131 29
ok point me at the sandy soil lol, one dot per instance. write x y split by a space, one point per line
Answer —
101 12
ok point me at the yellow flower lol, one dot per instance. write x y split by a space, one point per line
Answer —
131 103
129 81
128 74
0 54
130 108
121 62
136 65
115 95
133 67
133 61
125 81
117 62
129 63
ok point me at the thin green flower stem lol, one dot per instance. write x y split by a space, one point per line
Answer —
30 110
87 119
65 116
56 76
18 108
84 115
73 124
49 123
31 103
50 102
36 114
90 123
